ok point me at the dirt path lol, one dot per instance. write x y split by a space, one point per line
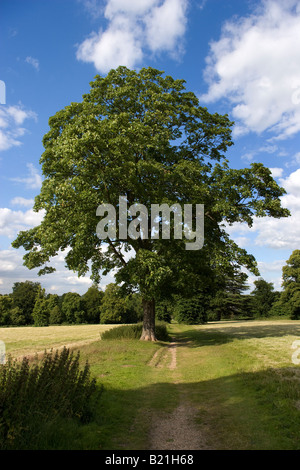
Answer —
165 357
176 430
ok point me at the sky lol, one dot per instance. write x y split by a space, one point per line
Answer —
240 58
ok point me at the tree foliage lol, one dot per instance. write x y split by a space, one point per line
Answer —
290 297
143 136
50 309
24 295
5 307
263 297
192 311
72 308
92 300
117 308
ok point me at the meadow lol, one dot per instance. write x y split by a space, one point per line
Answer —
232 385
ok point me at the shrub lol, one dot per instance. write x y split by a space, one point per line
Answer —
191 311
134 331
31 396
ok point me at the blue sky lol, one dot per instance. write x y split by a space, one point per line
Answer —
239 57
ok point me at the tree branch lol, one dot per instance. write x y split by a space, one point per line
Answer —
117 253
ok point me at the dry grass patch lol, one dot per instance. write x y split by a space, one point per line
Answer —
29 340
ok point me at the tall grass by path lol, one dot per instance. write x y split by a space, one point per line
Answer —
37 397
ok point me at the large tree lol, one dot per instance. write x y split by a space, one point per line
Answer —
226 299
24 295
290 297
142 136
263 297
92 300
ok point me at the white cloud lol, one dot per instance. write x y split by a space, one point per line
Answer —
133 8
93 7
75 280
19 115
21 201
271 271
274 233
270 149
256 66
248 156
276 172
256 154
292 184
11 222
272 266
134 28
165 25
32 181
34 62
11 118
8 140
9 261
12 270
116 46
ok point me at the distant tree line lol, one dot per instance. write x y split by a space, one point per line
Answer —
28 304
227 299
221 298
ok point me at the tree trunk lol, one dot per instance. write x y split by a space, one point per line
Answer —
148 333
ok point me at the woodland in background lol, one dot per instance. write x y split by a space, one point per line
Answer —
220 298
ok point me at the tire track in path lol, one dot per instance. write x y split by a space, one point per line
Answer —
176 430
165 355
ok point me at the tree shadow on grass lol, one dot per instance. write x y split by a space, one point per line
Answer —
221 334
245 411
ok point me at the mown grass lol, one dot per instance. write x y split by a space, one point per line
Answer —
28 340
238 376
244 384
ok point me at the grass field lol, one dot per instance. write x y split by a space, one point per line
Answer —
224 385
21 341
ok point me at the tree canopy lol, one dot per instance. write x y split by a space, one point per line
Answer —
290 296
141 135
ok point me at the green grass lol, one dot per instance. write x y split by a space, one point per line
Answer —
244 385
238 376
